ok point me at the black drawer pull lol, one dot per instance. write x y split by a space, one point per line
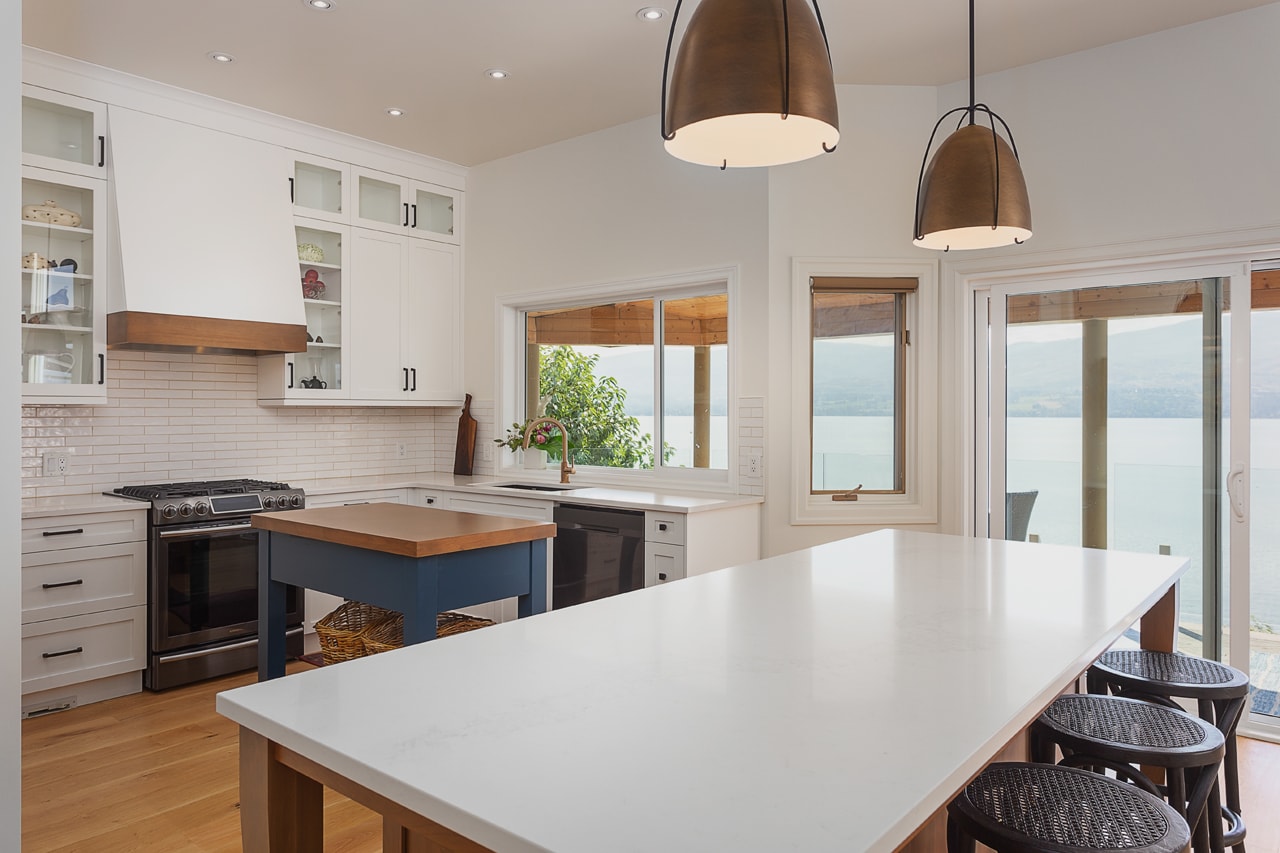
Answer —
662 576
662 527
77 650
62 532
75 582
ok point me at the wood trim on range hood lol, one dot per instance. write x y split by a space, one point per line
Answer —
140 330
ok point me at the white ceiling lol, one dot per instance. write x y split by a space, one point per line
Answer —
577 66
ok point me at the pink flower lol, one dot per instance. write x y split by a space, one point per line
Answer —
542 438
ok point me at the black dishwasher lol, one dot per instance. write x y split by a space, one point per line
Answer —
597 552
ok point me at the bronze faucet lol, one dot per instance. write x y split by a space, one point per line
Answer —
566 467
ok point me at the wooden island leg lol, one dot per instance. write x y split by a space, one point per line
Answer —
281 810
1159 627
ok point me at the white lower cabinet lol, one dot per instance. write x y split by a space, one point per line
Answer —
662 563
84 608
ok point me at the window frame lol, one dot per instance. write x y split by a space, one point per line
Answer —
917 503
511 366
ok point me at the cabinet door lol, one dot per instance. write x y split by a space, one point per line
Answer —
319 188
381 201
63 132
431 322
435 212
378 267
62 294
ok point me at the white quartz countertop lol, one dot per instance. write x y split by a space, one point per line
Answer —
611 496
828 699
52 507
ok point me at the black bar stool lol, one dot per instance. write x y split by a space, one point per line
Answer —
1096 732
1045 808
1220 692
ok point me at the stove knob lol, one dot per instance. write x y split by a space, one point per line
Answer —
169 511
268 502
185 510
296 500
202 508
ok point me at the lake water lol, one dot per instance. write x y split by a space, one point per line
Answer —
1154 477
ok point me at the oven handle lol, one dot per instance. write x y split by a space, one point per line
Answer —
205 531
201 653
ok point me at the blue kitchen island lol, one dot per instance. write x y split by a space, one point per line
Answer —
415 560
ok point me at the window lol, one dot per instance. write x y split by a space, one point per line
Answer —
865 411
645 368
857 385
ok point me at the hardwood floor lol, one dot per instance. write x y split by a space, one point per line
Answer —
158 772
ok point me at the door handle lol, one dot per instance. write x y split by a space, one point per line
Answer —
406 214
102 151
291 199
414 372
1235 491
414 207
406 378
102 368
291 374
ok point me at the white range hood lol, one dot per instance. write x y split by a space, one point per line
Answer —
203 224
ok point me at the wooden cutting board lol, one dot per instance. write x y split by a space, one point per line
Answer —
464 457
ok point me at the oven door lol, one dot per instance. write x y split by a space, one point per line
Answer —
204 585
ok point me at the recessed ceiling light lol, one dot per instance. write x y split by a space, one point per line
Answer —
319 5
497 74
395 111
219 56
651 13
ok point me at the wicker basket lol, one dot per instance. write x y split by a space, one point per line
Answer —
389 634
339 632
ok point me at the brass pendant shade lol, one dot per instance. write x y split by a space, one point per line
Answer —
972 195
751 86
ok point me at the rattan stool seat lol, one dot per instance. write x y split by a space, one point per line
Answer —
1043 808
1131 730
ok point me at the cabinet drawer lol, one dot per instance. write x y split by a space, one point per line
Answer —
663 563
381 496
81 529
665 527
66 651
83 580
531 510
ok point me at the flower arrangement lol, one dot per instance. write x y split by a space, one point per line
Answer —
545 436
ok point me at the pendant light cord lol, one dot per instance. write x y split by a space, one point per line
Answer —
786 74
666 67
973 97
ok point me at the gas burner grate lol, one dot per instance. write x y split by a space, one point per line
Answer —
160 491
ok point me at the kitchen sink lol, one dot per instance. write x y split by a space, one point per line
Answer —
533 487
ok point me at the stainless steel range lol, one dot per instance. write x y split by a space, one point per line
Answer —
202 564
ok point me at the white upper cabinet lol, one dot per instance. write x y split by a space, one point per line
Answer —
319 188
63 132
63 298
397 205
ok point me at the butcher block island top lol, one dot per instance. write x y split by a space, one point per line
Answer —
409 531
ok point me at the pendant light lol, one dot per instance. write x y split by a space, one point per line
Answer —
973 195
752 85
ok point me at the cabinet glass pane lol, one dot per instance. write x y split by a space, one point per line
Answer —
57 131
434 212
380 201
317 187
320 274
57 281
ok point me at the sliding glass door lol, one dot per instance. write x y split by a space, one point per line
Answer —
1109 401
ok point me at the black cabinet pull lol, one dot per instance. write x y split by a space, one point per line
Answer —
662 576
102 151
291 374
406 378
292 200
414 372
406 214
662 527
102 368
430 501
77 650
62 532
415 216
75 582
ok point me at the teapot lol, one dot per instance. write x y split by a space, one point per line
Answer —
314 382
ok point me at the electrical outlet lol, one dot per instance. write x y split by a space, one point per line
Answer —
55 464
755 461
486 453
402 450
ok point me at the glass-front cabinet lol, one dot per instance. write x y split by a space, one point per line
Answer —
319 188
316 374
62 299
63 132
400 206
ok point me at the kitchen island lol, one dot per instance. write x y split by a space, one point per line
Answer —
415 560
834 698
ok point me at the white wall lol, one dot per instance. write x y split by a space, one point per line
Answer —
10 580
609 206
